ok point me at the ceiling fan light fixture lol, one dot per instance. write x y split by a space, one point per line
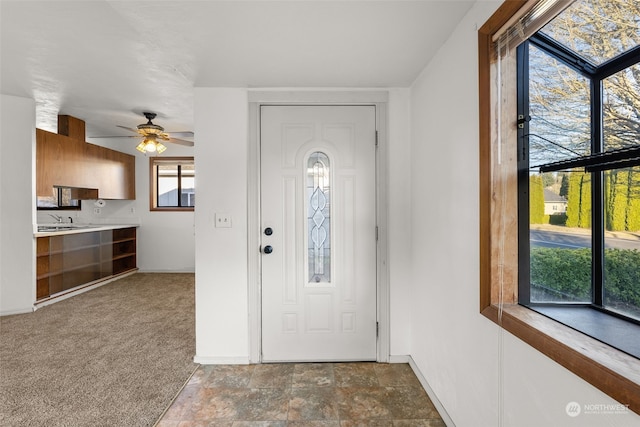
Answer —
140 147
150 145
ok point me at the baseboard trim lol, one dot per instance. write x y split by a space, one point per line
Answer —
399 359
423 381
208 360
18 311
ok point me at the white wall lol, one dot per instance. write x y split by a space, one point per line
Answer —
221 121
166 240
399 215
482 375
17 207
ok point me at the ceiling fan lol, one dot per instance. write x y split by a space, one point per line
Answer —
153 136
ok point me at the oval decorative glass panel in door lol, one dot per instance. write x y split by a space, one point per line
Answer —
319 218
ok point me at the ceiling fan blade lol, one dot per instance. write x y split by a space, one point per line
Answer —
181 142
132 130
184 134
114 136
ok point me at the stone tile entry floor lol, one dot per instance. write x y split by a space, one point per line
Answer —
303 394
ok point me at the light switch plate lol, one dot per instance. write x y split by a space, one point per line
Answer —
223 220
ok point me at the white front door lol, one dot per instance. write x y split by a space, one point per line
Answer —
318 204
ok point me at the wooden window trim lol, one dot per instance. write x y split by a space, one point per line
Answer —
152 187
612 371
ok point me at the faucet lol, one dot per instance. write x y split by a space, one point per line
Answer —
56 217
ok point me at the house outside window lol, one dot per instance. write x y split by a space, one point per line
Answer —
172 184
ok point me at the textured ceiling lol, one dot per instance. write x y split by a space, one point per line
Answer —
108 61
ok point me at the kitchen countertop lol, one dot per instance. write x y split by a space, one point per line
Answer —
77 228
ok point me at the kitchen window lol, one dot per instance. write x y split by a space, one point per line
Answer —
172 184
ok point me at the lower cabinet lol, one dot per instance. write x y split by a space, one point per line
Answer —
67 261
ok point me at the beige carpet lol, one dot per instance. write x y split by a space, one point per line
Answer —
113 356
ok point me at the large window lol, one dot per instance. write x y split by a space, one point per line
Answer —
559 127
172 183
579 99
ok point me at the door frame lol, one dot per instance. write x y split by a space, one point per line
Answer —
256 99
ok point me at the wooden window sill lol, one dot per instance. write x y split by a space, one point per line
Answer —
606 368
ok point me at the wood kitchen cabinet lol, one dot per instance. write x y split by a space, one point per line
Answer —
68 261
69 161
123 245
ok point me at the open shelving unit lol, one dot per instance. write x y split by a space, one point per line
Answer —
123 255
68 261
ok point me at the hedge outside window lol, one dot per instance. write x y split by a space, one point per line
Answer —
172 184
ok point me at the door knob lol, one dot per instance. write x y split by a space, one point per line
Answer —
268 249
268 231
